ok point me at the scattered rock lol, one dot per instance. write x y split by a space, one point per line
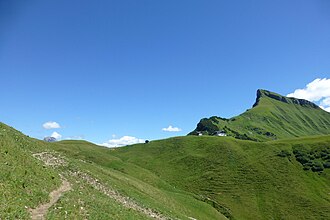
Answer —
50 160
124 200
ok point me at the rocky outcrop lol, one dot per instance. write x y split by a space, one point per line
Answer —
50 139
302 102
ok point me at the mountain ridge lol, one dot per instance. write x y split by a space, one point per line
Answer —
272 116
288 100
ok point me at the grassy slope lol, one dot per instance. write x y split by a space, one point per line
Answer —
285 119
26 182
245 179
180 177
136 182
19 186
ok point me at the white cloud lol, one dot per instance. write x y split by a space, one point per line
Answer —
172 129
316 91
56 135
79 137
326 108
326 102
123 141
51 125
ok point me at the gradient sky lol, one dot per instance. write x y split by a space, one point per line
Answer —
107 69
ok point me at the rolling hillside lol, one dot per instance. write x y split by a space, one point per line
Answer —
102 186
272 117
243 179
178 178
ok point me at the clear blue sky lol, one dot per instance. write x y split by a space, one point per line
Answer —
125 67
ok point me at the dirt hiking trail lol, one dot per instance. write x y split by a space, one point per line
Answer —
40 212
49 159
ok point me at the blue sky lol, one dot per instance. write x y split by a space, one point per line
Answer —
107 69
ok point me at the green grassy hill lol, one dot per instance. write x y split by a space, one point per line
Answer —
243 179
272 117
103 186
178 178
24 182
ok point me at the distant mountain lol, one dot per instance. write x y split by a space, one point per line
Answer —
272 116
50 139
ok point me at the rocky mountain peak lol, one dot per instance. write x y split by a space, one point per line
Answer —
265 93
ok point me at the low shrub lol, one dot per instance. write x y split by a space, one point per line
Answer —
284 153
326 165
316 159
317 167
302 159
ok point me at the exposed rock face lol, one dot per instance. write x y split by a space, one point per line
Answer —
289 100
50 139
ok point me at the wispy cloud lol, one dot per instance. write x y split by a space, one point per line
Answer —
79 137
51 125
172 129
56 135
123 141
315 91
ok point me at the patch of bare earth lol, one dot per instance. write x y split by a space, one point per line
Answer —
40 212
